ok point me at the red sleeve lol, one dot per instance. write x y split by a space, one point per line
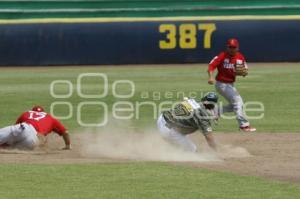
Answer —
215 62
20 119
58 127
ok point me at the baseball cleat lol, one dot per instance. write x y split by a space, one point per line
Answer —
247 129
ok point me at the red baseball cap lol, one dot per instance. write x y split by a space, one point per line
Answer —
38 109
233 43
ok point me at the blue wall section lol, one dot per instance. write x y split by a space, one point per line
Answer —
138 42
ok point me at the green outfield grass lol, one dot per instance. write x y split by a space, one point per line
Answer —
277 87
135 180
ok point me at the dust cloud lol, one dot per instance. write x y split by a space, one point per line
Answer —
125 143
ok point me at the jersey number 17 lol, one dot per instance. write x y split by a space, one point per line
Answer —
36 115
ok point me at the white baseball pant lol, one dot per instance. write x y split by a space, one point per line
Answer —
22 136
229 92
175 137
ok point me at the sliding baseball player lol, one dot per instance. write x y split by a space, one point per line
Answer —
31 124
187 117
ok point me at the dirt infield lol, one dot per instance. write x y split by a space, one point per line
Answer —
271 155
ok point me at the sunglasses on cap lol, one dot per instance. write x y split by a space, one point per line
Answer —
232 47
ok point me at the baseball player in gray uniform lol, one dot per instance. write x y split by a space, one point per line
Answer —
187 117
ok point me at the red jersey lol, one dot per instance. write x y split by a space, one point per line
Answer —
43 122
225 65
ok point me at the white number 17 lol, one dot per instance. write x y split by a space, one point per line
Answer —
36 115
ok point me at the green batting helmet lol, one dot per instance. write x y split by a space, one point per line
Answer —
210 97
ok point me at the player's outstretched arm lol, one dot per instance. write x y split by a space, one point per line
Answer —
211 79
66 138
212 66
202 120
211 141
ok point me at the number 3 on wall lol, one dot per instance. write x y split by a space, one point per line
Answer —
170 42
187 35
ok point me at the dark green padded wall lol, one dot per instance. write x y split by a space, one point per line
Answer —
13 9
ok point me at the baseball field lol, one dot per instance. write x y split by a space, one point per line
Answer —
123 157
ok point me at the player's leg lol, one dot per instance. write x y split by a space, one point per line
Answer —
11 134
230 93
175 137
29 138
18 136
28 144
238 106
182 140
237 103
6 136
161 125
222 90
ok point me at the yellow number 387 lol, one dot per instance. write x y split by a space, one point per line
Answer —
187 35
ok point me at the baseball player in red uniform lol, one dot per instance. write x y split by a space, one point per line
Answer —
24 134
225 63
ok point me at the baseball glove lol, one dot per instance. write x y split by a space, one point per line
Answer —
241 70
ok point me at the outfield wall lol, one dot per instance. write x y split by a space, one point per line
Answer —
145 40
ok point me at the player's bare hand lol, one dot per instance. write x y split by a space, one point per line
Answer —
211 81
68 147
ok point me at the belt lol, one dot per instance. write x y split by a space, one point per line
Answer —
22 127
